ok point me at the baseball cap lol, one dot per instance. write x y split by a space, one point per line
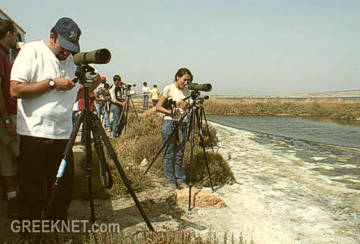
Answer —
68 33
102 78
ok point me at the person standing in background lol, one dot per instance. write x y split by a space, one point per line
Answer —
9 141
145 91
117 106
155 93
101 103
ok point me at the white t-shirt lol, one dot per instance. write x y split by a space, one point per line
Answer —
176 94
47 115
145 90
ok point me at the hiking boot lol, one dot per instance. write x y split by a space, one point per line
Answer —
12 208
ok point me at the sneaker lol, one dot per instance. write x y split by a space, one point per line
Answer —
12 208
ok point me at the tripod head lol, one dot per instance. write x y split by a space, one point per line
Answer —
196 98
84 74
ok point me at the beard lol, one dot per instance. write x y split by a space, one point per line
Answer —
61 57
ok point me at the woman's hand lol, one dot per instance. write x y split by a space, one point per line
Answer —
183 104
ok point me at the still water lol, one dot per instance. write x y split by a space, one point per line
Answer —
339 133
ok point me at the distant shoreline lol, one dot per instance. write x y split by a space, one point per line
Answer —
331 108
299 98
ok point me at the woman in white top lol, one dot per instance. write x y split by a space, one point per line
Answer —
174 150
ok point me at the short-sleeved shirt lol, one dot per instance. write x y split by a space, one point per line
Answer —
81 101
155 94
145 90
176 94
47 115
5 69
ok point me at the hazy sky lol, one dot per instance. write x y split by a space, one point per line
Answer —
240 46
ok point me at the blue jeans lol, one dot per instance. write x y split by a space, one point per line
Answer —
101 110
173 148
116 126
145 101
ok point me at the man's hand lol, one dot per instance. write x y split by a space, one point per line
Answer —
63 84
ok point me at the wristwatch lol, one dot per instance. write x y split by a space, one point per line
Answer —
51 83
7 121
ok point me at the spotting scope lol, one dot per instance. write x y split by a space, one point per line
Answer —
99 56
200 87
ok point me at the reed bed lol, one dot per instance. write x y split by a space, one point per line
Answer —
321 108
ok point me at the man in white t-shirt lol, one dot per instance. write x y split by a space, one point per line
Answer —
145 91
41 79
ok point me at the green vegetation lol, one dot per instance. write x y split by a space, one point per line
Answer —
324 108
142 140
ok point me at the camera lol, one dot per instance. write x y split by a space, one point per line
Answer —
128 85
169 104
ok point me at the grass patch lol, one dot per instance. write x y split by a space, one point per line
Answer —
180 236
143 140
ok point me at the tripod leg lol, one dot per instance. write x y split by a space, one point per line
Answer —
161 149
126 114
203 149
132 103
121 172
89 163
61 170
202 112
173 163
192 141
105 175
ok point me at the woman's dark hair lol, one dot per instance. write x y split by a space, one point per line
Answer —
145 83
183 71
5 26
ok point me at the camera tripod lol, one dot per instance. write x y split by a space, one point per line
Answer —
92 123
196 113
125 110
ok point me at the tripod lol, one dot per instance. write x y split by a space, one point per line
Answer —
195 121
124 113
92 123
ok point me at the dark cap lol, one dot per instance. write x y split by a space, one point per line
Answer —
68 33
116 77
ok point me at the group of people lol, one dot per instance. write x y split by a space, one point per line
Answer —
154 94
105 98
108 101
37 97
